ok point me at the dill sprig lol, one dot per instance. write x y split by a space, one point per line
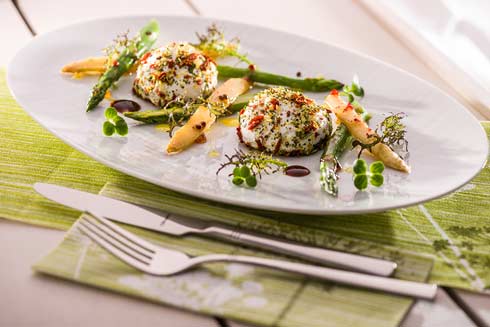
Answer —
391 131
250 165
118 45
214 45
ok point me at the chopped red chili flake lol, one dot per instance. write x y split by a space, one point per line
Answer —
274 102
334 92
206 62
251 67
145 56
300 99
242 111
348 107
311 127
255 121
189 59
115 63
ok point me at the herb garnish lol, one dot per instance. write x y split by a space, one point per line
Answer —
249 166
214 45
363 176
391 131
114 123
118 45
353 90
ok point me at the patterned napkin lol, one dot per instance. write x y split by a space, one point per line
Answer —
452 232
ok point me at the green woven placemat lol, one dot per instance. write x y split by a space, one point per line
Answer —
452 230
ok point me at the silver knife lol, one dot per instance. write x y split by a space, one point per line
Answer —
134 215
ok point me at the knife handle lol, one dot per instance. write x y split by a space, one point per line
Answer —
329 257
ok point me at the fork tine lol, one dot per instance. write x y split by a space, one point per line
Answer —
109 236
113 249
121 231
140 251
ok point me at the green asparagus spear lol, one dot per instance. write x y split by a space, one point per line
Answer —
306 84
335 147
162 116
124 62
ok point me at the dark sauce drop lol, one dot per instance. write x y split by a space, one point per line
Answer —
297 171
125 105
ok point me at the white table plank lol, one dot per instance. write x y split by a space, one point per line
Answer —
13 32
479 304
344 23
443 312
29 299
50 14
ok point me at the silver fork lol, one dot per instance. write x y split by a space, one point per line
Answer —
157 260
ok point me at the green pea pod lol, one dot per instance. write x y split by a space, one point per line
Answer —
126 60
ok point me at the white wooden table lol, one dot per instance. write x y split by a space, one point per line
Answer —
32 300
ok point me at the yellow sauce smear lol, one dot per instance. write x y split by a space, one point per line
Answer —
213 154
108 96
78 75
229 121
163 127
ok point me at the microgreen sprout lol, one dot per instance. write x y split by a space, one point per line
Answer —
249 166
364 176
214 44
391 131
114 123
118 45
353 90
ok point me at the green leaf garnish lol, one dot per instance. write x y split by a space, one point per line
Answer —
360 167
110 113
244 171
363 177
377 167
108 128
353 90
251 181
376 180
361 181
121 127
114 123
250 165
237 180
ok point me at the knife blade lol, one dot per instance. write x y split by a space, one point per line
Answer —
134 215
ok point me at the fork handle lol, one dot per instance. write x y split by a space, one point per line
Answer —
390 285
339 259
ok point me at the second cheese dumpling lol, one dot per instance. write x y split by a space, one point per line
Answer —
284 122
175 72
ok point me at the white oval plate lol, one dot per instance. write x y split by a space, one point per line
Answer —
448 147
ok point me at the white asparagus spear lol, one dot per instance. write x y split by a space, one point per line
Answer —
361 131
203 118
87 65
